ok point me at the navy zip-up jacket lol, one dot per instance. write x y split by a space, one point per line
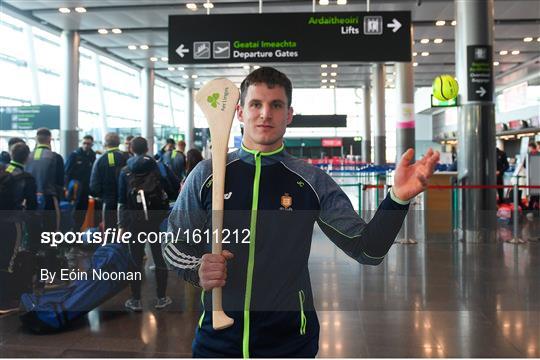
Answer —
278 198
104 177
79 167
47 168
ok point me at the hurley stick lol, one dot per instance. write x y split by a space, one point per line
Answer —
217 100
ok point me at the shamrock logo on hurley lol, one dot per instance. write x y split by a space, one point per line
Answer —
213 99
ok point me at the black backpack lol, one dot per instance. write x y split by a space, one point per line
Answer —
146 194
7 190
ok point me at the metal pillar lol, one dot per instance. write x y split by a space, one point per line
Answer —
476 124
405 112
366 135
379 116
190 115
69 111
101 93
147 87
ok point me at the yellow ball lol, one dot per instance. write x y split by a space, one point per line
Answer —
445 87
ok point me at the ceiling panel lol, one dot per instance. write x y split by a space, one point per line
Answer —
145 22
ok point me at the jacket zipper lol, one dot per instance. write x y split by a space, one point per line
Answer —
251 259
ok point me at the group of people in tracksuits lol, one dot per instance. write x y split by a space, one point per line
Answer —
33 184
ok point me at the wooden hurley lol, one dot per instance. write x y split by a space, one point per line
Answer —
217 100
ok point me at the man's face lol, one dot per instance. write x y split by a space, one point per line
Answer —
265 115
87 144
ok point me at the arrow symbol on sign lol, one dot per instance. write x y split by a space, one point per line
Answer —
395 25
481 91
180 50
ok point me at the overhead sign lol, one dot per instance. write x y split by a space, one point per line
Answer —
332 142
319 121
29 117
290 37
479 73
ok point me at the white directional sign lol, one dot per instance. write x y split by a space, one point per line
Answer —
395 25
181 51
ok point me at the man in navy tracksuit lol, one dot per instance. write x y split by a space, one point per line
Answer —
274 199
104 178
47 168
78 169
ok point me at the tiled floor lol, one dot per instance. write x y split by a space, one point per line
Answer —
434 299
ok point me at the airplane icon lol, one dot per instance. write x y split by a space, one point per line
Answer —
221 49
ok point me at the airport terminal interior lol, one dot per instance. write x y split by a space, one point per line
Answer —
371 78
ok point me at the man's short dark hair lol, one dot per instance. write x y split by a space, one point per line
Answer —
112 139
88 137
532 145
20 152
129 137
269 76
15 140
170 141
43 135
139 145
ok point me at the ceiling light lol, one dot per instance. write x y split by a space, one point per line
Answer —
323 2
132 47
528 39
515 52
144 47
324 81
324 74
342 2
415 64
424 53
116 31
332 80
440 23
208 5
180 68
191 6
64 10
333 74
424 41
496 63
256 67
538 38
153 59
245 67
164 59
185 76
438 41
453 22
80 9
332 87
194 76
503 52
324 86
103 31
171 68
414 53
334 65
324 65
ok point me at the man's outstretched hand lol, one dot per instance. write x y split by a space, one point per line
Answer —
411 180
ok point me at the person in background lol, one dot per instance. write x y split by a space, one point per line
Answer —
142 180
127 146
502 166
47 167
104 178
193 157
78 169
168 147
5 158
18 204
176 159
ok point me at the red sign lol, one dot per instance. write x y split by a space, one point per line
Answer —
335 142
